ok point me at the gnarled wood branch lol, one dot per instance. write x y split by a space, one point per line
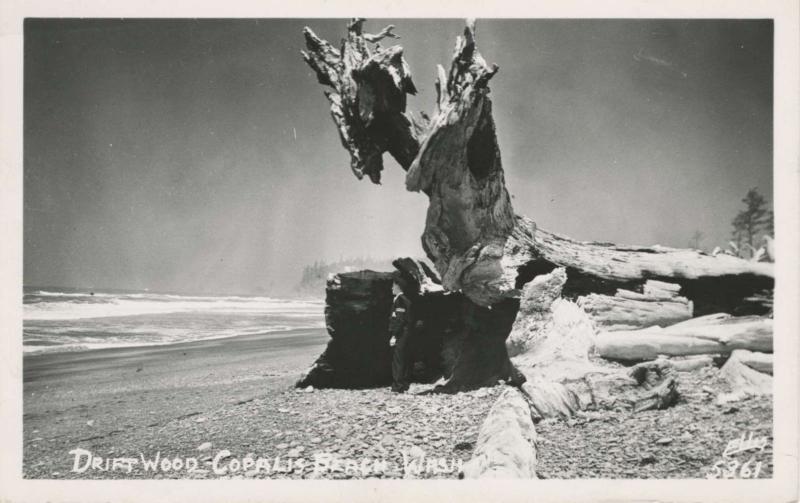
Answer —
368 99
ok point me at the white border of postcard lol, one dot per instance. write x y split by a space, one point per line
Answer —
782 487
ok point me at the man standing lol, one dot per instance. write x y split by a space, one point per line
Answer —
401 327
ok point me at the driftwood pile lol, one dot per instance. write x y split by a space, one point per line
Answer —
578 362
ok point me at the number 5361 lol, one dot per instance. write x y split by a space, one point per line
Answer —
733 469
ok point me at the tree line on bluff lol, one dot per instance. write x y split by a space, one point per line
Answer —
753 231
315 275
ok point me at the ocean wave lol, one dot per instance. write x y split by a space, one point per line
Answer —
45 293
77 320
164 296
126 307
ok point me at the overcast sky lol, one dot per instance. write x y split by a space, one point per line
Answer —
200 155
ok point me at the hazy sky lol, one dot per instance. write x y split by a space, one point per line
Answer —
201 156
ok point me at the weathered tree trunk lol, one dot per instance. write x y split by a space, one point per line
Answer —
476 242
481 355
468 339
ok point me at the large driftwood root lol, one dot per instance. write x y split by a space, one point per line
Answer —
479 246
472 235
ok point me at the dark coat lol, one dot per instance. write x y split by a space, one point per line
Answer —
402 319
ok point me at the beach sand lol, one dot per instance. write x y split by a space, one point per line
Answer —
235 394
223 402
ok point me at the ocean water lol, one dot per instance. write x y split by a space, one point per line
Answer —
58 319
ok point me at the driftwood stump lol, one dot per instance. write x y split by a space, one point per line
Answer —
479 246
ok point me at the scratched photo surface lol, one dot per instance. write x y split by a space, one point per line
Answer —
299 248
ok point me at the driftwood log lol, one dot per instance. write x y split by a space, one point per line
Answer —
506 446
659 304
715 334
476 242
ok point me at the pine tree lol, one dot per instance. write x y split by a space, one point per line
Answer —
769 226
750 221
